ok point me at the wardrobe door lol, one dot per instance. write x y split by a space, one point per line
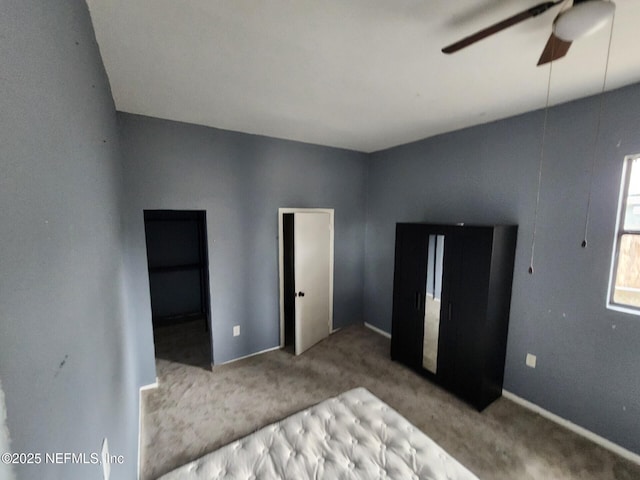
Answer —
409 287
496 324
447 347
468 307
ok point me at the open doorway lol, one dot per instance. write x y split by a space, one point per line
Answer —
178 267
306 247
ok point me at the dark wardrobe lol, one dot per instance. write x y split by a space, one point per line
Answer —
451 298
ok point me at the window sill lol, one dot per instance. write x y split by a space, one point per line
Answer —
623 309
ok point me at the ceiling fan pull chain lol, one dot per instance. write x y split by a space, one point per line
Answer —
596 138
544 134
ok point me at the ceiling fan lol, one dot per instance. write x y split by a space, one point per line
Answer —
581 18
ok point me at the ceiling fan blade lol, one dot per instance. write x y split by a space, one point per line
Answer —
554 49
497 27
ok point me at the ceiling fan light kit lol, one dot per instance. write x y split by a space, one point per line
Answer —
583 19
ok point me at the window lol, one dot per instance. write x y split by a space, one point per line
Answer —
625 272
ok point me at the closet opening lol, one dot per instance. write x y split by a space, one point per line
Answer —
178 266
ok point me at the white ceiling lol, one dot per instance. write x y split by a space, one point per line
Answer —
359 74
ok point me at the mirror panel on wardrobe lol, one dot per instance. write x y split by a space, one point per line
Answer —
432 305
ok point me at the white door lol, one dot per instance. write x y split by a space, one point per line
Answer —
311 238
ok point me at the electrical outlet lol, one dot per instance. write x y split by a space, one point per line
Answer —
236 331
106 466
531 360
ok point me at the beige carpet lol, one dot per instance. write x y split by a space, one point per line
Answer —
195 411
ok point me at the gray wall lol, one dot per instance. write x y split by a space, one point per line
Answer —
65 352
240 180
588 356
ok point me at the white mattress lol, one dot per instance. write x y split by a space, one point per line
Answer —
352 436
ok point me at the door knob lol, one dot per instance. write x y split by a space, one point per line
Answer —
301 294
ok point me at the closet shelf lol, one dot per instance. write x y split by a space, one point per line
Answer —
175 268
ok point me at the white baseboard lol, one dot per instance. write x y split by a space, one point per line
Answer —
150 386
377 330
588 434
248 356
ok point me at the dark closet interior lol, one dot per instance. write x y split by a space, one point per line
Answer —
178 282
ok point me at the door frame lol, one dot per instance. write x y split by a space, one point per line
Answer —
281 212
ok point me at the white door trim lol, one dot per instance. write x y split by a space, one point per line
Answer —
281 212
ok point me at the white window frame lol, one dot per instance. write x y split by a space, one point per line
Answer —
622 203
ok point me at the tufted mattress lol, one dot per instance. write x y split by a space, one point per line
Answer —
352 436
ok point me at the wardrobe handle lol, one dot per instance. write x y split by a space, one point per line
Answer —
417 300
449 312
